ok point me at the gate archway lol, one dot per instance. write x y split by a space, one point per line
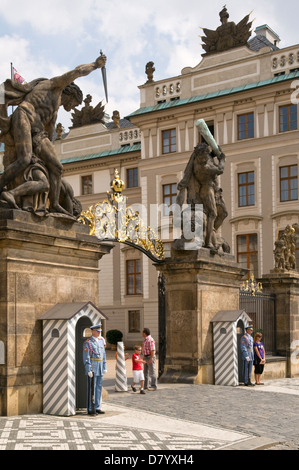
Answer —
113 221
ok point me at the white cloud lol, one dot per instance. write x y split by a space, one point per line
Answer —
47 17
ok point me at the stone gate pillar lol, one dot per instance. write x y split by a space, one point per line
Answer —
197 286
42 262
285 286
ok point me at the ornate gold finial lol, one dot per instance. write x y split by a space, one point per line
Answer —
117 184
251 286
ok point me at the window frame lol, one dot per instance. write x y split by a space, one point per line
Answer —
89 185
247 185
136 276
247 128
135 177
248 252
172 147
288 123
289 178
136 321
172 196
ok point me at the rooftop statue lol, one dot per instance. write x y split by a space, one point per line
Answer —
228 35
149 70
31 167
115 119
88 114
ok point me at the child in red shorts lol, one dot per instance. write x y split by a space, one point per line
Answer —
138 376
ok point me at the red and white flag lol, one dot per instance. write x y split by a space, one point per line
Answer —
17 77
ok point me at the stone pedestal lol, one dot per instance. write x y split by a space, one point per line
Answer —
285 285
42 262
197 286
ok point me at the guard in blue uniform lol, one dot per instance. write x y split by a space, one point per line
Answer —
94 357
247 355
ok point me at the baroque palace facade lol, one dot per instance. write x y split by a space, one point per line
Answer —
248 96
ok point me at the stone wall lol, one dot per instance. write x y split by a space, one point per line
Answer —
42 262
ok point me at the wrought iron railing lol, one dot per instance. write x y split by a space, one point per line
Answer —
261 309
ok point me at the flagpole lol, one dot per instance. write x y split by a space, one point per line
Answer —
12 78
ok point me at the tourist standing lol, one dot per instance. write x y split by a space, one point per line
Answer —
259 357
149 354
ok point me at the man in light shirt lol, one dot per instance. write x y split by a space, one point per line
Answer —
149 354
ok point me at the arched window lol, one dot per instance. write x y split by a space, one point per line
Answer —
55 333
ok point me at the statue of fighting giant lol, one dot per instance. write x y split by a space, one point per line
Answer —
27 135
200 185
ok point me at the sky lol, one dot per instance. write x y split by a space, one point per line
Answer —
47 38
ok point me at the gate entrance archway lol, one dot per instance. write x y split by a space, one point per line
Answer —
114 221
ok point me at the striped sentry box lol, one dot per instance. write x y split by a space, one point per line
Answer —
226 370
59 353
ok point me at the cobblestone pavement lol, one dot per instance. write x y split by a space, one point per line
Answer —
269 412
175 417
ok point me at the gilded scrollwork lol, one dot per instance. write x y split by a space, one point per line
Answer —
112 220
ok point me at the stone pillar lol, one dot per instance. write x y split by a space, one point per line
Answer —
42 262
197 286
285 285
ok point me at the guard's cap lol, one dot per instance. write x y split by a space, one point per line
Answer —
96 327
249 327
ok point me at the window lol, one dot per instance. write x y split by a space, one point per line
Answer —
246 189
86 184
246 126
288 183
288 118
132 177
134 321
247 252
169 141
134 277
169 196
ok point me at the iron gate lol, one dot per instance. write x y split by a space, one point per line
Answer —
162 323
261 309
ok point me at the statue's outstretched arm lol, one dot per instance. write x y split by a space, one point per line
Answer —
80 71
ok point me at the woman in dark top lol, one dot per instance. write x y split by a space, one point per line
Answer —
259 357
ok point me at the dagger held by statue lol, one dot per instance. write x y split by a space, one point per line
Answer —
104 75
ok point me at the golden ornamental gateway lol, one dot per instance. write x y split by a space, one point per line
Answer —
113 221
